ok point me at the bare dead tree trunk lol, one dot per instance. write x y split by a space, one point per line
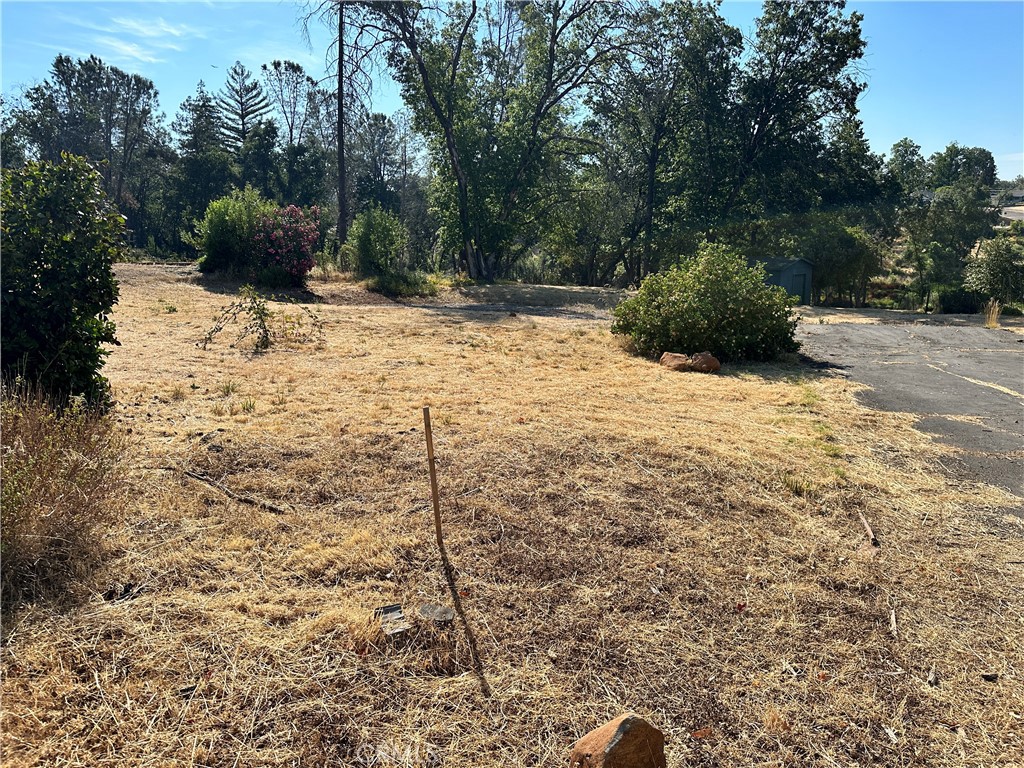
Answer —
342 230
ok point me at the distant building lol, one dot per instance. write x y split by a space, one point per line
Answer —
792 274
1007 196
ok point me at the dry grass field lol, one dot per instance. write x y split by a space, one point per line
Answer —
623 537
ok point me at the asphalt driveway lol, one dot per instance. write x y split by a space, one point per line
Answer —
966 383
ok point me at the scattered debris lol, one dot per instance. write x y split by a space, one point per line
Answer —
117 592
628 741
441 615
702 362
392 620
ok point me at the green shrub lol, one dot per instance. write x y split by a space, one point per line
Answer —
227 233
404 285
997 270
60 238
62 483
249 237
714 303
958 301
378 239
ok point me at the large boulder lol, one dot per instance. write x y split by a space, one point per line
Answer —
702 362
628 741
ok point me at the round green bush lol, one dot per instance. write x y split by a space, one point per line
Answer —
228 230
60 239
713 303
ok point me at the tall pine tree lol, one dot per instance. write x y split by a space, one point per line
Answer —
242 105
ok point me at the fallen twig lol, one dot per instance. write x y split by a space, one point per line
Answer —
234 495
871 534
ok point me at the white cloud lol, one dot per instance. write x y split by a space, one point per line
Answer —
126 51
158 28
65 49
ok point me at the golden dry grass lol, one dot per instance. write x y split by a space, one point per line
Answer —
624 537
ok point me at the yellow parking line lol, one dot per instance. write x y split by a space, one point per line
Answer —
997 387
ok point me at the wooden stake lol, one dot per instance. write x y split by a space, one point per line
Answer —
449 572
433 479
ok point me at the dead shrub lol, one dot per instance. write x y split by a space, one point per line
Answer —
62 482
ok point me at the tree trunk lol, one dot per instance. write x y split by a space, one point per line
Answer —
342 227
652 169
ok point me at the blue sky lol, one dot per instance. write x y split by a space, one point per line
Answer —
937 71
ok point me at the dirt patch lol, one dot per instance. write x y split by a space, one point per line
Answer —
832 315
138 275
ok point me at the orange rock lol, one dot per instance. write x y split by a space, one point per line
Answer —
702 362
676 362
628 741
705 362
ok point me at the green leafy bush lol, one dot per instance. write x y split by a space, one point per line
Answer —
714 303
247 236
63 482
227 233
958 301
378 239
403 285
60 238
997 270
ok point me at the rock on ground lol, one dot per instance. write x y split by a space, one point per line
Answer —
628 741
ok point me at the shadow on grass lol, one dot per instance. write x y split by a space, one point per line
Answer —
555 296
226 285
449 576
797 369
495 313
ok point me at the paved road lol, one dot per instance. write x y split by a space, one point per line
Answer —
938 372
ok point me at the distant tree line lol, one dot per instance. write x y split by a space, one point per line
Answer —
572 141
274 133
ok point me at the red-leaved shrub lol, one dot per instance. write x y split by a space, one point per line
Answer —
285 243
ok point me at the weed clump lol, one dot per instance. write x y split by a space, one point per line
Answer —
263 324
713 303
63 483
